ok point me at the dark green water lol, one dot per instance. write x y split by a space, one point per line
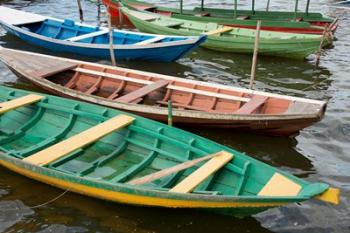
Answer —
319 153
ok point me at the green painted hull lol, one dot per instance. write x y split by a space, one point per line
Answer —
102 169
288 45
310 23
272 18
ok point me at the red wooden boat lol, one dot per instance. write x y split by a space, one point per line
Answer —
195 103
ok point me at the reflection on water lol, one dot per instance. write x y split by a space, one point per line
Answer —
319 153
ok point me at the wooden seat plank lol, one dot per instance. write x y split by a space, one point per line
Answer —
85 36
19 102
251 106
280 185
171 170
192 181
219 31
208 93
151 40
115 76
145 16
184 106
143 91
54 69
142 7
78 141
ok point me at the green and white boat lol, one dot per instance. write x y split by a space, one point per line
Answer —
229 39
282 21
116 156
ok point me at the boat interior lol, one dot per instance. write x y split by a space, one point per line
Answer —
210 28
129 87
68 30
104 145
224 13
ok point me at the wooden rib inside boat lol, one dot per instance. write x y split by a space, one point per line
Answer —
105 153
148 94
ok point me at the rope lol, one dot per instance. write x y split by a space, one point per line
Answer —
43 204
314 85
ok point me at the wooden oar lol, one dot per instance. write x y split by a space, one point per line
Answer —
170 170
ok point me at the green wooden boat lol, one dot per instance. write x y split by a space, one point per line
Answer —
112 155
282 21
229 39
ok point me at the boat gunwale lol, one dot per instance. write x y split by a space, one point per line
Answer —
229 199
311 15
267 39
163 110
168 77
190 40
148 192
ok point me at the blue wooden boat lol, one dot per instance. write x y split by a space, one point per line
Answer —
69 36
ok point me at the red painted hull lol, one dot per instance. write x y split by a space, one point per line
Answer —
117 19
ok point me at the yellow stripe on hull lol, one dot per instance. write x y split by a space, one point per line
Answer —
130 198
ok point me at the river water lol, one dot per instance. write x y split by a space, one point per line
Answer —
318 153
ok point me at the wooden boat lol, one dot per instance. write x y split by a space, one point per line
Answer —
71 37
282 21
195 103
112 155
229 39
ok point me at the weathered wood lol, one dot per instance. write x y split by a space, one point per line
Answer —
301 107
115 76
168 171
54 69
198 176
256 102
184 106
255 55
219 31
78 141
145 16
94 87
208 93
151 40
19 102
143 91
141 7
85 36
110 40
280 185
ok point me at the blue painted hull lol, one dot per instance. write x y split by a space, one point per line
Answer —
162 54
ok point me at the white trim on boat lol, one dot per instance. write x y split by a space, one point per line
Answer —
85 36
151 40
190 40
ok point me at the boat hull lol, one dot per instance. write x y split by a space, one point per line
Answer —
163 54
293 48
311 27
103 153
268 125
132 197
